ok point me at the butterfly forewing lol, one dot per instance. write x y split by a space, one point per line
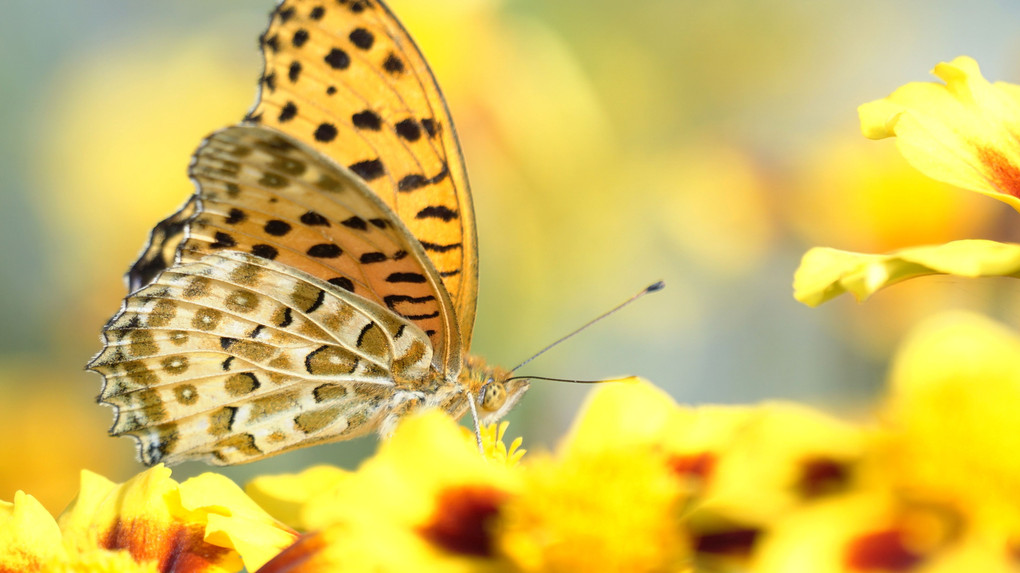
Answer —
233 357
346 78
263 193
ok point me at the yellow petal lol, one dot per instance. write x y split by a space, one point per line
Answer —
781 455
963 132
29 536
145 517
955 394
621 415
826 273
285 495
615 510
405 481
233 520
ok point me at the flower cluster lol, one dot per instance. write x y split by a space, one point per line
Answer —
928 482
639 484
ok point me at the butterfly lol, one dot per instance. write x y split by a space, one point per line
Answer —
321 282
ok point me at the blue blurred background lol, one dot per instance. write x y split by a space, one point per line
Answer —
609 145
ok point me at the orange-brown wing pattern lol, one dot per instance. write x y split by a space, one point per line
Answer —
262 192
233 357
346 78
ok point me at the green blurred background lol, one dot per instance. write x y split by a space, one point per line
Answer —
609 144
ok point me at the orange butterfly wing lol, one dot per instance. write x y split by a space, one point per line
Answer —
346 78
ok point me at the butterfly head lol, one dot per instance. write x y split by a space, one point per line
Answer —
497 396
492 388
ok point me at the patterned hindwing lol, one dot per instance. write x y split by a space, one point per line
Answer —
262 192
161 249
234 358
345 77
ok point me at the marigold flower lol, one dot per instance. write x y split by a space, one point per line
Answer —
149 523
937 485
426 499
615 511
963 132
954 398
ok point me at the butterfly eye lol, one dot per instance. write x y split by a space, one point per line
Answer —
493 396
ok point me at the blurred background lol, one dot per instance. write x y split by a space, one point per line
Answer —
609 145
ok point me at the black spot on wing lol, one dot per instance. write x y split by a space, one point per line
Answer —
437 212
338 59
372 257
362 38
393 300
314 219
416 278
325 251
325 133
235 216
431 127
285 13
342 282
367 119
277 228
393 64
288 112
368 170
223 241
408 129
355 222
265 251
435 248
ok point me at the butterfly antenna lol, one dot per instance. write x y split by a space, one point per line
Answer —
571 380
648 289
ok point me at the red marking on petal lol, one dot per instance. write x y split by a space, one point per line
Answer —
822 476
695 465
735 542
175 547
1004 174
25 563
291 559
880 551
461 522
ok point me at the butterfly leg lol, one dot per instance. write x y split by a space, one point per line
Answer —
478 424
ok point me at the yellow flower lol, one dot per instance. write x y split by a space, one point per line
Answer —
496 449
955 394
618 510
937 487
962 132
149 523
426 499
